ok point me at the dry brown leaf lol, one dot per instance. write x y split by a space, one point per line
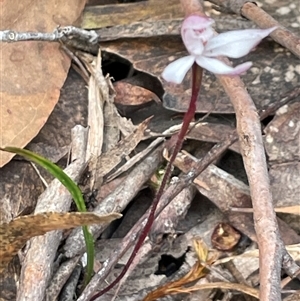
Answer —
32 72
13 235
129 95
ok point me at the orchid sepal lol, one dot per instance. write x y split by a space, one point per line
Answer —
204 47
176 71
236 43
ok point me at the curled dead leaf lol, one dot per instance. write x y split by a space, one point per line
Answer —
13 235
129 95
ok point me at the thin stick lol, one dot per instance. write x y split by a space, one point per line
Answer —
58 34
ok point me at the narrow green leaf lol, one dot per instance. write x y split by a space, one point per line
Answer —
74 190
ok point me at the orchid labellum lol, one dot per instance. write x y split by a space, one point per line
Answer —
204 47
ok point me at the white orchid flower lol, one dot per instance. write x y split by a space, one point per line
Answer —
204 46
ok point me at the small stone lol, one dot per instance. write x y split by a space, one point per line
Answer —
284 10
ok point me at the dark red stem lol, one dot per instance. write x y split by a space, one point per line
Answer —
188 117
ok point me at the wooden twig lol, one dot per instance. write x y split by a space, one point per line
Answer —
69 290
225 191
252 149
281 101
58 34
290 266
60 278
117 200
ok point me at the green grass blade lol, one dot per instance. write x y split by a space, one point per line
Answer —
74 190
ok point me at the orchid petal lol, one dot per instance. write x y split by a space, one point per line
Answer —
236 43
218 67
195 32
176 71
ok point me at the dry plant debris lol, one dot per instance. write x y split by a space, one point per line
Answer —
225 237
141 38
198 271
